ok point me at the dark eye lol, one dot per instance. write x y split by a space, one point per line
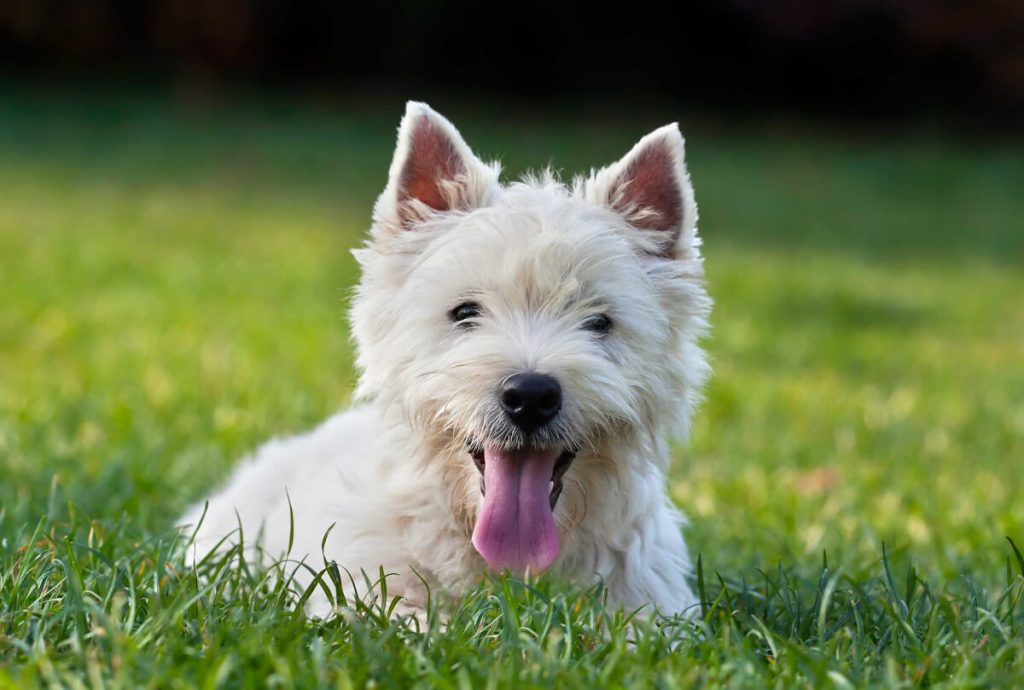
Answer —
599 323
462 314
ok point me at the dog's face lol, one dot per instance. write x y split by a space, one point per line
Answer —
539 338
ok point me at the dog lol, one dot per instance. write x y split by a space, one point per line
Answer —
525 351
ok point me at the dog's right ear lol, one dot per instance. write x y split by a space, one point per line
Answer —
433 171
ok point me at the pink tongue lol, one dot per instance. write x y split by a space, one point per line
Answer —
515 528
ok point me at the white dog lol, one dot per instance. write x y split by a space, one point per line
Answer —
524 350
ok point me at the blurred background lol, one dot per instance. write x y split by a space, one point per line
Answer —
876 59
180 183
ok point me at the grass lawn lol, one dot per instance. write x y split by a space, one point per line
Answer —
172 289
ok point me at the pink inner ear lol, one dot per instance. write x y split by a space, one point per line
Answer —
432 159
650 188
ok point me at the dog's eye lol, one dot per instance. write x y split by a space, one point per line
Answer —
462 314
598 323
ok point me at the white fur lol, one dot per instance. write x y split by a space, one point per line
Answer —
393 475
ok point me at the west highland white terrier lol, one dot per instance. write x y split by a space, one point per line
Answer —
525 350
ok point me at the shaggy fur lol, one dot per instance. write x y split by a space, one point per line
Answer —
396 475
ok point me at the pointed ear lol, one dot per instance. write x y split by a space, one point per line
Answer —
433 171
651 189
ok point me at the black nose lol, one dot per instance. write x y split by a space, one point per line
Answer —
531 400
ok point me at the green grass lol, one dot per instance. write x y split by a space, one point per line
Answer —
172 290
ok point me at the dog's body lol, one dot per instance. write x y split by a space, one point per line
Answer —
524 351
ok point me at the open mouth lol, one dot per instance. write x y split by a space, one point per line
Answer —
562 464
515 527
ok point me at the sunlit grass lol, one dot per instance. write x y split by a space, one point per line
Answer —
172 292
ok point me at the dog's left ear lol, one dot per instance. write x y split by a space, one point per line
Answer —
433 171
651 189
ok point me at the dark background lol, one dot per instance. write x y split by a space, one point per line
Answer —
956 63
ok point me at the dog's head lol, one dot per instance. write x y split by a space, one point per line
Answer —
540 338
